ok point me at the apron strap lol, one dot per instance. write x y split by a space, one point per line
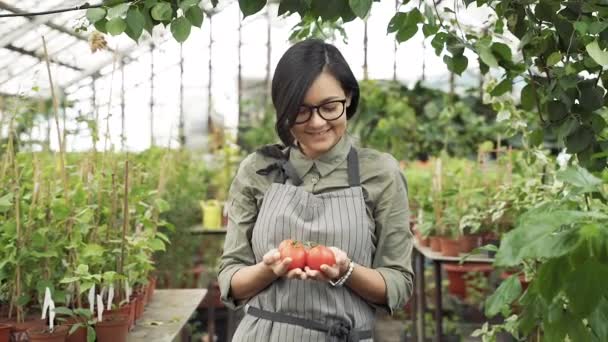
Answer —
354 178
342 330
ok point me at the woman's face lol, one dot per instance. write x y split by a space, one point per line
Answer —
317 135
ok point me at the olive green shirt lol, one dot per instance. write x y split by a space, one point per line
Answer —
386 199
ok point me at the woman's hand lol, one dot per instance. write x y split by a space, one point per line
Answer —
331 272
272 259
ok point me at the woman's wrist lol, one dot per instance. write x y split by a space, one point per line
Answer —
345 275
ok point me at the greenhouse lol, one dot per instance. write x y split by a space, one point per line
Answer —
303 170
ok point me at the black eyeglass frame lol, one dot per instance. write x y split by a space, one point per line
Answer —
317 108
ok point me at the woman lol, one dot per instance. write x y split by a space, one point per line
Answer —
323 189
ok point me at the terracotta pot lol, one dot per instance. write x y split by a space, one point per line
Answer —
449 247
39 334
127 310
113 328
421 240
19 330
139 308
80 334
469 243
5 332
456 274
434 243
151 286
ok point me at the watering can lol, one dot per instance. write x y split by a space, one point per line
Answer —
212 214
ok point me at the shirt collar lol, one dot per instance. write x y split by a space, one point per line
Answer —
325 163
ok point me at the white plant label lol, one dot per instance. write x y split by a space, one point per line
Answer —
99 308
92 298
110 296
128 290
47 300
51 315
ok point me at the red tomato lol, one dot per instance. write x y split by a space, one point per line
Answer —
294 250
320 255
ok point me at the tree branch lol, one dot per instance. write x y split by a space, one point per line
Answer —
84 6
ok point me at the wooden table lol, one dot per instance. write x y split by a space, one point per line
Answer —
420 253
166 315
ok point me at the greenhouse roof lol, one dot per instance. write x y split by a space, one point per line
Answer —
22 65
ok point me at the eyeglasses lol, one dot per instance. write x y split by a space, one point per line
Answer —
329 111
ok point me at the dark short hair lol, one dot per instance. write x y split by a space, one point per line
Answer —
296 71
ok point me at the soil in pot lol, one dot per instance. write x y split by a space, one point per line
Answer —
44 334
456 274
5 332
113 328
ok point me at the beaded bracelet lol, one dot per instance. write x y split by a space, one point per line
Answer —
345 277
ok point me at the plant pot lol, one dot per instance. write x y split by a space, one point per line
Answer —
468 243
449 247
422 241
139 309
79 335
434 243
42 334
152 286
127 310
456 274
5 332
19 330
113 328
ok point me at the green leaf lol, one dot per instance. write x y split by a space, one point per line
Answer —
580 177
550 278
592 98
579 139
557 110
502 87
162 12
95 14
586 279
528 97
91 336
456 64
116 26
429 30
100 25
508 291
536 137
581 27
157 245
597 27
554 58
485 53
396 22
186 4
410 26
93 250
249 7
599 56
62 310
6 202
135 23
180 28
598 319
438 42
67 280
360 7
82 269
195 16
118 11
502 51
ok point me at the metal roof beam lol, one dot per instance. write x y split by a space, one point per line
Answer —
23 51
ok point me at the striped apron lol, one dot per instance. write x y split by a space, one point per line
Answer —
336 218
